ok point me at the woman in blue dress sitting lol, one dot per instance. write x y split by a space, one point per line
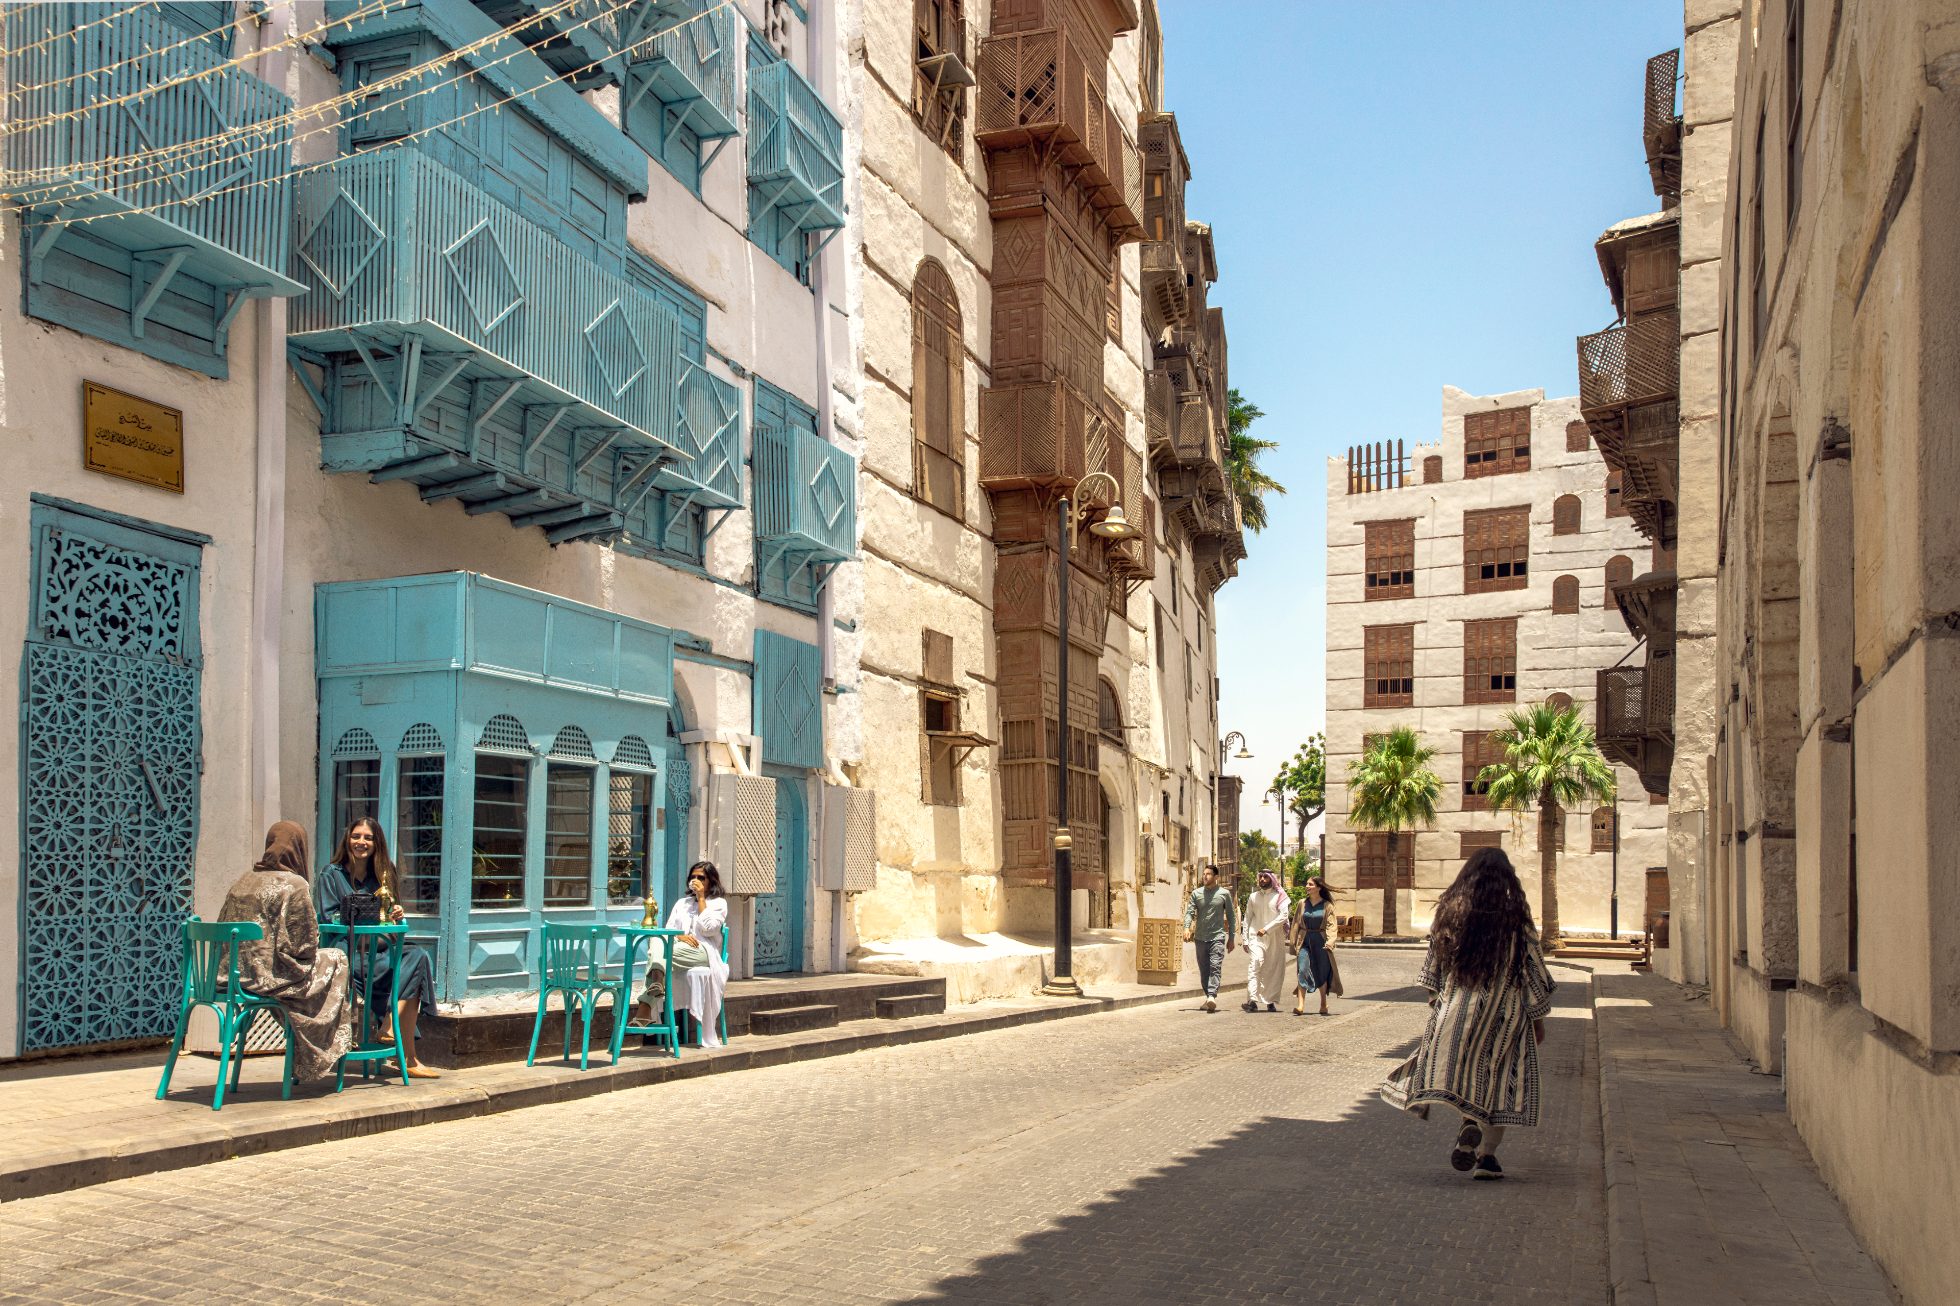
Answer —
347 893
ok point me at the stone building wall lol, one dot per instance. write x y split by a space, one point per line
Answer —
1556 653
1834 945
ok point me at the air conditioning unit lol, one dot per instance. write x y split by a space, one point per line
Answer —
742 831
850 840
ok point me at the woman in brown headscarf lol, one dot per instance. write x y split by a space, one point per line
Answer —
288 963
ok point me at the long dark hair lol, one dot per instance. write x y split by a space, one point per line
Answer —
381 867
1482 921
714 879
1326 893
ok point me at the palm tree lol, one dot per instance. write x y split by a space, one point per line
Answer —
1391 788
1242 453
1551 758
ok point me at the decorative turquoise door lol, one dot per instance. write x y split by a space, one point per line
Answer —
779 915
109 778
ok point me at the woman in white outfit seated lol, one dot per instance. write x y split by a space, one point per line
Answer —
700 968
1265 944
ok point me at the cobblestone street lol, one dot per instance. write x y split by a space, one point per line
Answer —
1156 1155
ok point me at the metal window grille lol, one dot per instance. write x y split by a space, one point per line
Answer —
1496 549
1389 665
632 751
573 742
356 743
499 830
504 734
1490 660
421 738
1495 443
567 835
1390 552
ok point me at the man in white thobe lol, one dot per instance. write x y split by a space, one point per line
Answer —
1265 944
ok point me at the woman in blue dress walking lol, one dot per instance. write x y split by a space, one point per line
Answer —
1309 929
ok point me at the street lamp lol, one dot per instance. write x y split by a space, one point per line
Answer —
1267 801
1115 527
1217 786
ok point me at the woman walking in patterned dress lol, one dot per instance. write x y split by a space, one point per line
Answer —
1490 995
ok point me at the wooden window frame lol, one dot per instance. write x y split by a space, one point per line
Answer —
938 363
1578 437
939 779
1565 595
1613 579
1432 469
1468 841
1496 549
1490 660
1478 753
939 28
1603 819
1389 559
1568 515
1388 661
1497 442
1371 858
1616 496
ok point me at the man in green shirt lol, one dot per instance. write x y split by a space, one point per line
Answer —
1211 921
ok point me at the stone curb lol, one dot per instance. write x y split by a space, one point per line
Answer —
63 1168
1626 1230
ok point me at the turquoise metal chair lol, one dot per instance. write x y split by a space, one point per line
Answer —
211 955
571 963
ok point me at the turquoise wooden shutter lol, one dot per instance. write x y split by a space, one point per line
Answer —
789 700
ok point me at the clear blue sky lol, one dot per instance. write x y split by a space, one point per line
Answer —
1404 194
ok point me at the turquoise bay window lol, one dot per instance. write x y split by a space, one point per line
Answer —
796 163
805 501
547 809
679 94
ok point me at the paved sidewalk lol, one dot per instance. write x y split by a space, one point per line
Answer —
91 1120
1711 1196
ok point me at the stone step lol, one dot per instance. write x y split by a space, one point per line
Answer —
912 1004
792 1020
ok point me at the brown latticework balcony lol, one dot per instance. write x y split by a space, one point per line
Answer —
1635 718
1163 280
1042 433
1661 126
1043 87
1159 411
1625 366
1647 603
1137 558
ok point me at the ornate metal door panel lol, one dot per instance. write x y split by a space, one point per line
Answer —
109 780
779 915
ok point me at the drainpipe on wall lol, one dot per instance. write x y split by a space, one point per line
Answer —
816 33
269 514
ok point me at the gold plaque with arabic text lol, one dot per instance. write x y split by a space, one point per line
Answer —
132 438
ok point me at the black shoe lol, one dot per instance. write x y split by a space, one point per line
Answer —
1248 1006
1488 1168
1464 1154
1271 1007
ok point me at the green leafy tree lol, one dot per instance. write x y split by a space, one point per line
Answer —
1391 788
1257 852
1303 782
1552 760
1242 453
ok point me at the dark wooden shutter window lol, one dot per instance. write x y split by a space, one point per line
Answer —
1432 469
1391 559
939 27
1619 570
1371 859
1469 841
1565 515
1577 438
1559 701
1389 663
938 391
1490 660
1497 442
1616 505
1565 594
1602 830
1478 753
1496 549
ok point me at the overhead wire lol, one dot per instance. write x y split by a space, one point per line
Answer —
69 34
66 33
306 169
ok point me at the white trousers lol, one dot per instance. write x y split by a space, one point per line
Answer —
1265 970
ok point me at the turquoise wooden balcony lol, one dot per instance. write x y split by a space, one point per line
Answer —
709 434
191 179
580 42
796 149
805 500
465 349
683 54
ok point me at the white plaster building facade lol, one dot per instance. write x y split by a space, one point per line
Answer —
1537 622
638 523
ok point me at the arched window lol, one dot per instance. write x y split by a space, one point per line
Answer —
1565 515
938 391
1432 469
1565 594
1616 504
1619 570
1560 701
1602 830
1110 711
